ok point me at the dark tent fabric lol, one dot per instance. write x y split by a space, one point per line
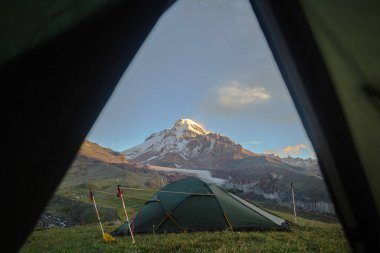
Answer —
328 53
53 89
54 86
190 204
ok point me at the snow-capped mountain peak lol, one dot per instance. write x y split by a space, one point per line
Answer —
187 125
186 144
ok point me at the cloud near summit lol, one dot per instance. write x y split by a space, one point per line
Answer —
295 150
235 96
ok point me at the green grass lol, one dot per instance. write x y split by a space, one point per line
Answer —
328 218
305 236
71 200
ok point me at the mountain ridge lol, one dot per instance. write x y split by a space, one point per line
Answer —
93 151
259 177
187 145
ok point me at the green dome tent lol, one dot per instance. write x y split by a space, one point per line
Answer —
193 205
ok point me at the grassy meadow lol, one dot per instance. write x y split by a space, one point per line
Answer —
312 233
305 236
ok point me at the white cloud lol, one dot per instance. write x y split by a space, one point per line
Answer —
294 151
235 95
248 102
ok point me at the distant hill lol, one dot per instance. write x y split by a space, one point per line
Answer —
187 145
93 151
95 163
309 164
102 169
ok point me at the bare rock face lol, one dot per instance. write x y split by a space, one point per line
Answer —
309 164
188 145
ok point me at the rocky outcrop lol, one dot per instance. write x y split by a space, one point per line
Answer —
309 164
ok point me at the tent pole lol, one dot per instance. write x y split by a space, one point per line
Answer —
120 194
228 221
294 203
184 230
92 198
106 237
97 214
133 219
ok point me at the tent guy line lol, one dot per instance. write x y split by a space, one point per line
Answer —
113 194
174 192
177 192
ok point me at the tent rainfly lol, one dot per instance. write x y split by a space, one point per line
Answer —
190 204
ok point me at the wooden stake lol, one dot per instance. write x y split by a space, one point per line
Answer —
97 212
294 203
120 193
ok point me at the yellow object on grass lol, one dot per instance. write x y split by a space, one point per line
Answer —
108 238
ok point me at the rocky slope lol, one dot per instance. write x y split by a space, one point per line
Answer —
309 164
93 151
187 145
268 180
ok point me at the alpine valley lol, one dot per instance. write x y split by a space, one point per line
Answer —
260 177
186 149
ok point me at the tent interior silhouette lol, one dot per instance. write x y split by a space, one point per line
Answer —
61 62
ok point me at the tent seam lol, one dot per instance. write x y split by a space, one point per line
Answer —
221 208
253 209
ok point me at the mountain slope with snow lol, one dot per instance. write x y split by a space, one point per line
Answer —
262 177
187 144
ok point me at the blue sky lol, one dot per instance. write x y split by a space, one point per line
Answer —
207 61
